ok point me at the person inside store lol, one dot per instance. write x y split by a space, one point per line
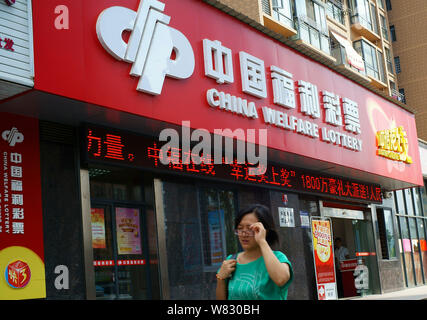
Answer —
341 253
258 272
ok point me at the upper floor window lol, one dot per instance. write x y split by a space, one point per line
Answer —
402 95
393 33
373 59
397 65
311 24
334 9
388 60
384 30
282 11
364 13
388 4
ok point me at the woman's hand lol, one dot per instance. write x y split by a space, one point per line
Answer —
227 268
260 232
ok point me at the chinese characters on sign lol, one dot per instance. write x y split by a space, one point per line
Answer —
393 144
12 201
21 225
113 145
18 274
7 44
286 217
10 2
287 93
148 153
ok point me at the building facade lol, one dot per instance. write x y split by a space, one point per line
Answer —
407 26
354 35
119 178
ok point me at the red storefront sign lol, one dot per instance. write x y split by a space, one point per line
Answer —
323 254
21 228
319 115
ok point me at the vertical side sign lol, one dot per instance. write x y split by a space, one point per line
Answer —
22 271
323 256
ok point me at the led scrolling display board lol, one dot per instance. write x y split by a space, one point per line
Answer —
116 147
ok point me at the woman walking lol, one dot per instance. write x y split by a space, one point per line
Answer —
257 273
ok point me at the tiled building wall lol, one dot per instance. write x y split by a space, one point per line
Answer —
410 21
250 8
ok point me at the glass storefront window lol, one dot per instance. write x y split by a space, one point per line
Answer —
417 202
183 243
199 230
217 209
412 242
406 252
415 250
386 231
400 202
423 192
102 243
423 245
122 244
227 202
409 203
102 187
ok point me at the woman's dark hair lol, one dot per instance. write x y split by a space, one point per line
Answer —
264 216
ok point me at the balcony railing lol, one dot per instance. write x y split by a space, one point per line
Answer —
398 96
311 32
288 21
364 27
277 18
339 53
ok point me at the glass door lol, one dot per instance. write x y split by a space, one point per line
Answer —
366 256
119 241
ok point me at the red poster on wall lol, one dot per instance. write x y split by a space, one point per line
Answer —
22 269
323 255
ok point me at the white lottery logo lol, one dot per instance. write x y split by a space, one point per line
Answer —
12 136
151 45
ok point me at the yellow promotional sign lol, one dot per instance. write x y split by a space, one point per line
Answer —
393 144
23 274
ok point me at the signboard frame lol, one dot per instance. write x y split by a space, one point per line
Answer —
326 286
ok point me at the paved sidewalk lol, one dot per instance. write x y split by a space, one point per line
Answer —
418 293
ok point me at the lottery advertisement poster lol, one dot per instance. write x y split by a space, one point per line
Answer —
323 255
128 231
22 271
98 228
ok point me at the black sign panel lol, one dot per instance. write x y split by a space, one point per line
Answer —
116 147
